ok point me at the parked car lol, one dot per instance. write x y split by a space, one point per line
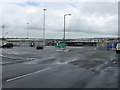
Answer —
39 47
118 48
7 45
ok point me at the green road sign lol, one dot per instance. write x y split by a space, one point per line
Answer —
61 45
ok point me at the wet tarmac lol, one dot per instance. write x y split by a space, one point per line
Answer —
81 67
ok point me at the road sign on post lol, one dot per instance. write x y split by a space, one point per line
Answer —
61 45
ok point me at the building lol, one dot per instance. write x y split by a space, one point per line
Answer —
26 42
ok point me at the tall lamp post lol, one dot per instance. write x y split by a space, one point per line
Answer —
3 31
27 29
64 27
44 27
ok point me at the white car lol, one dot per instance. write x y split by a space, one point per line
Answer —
118 48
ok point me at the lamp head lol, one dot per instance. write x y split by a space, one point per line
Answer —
67 14
44 9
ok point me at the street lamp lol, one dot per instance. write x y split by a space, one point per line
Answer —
3 31
64 26
44 27
27 29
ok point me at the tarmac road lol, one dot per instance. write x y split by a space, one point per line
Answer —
81 67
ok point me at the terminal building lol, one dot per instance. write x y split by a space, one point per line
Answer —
26 42
101 43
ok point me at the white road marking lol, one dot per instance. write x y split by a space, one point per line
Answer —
102 65
18 60
1 55
71 61
18 77
60 63
21 58
22 76
42 70
62 50
106 62
67 61
74 47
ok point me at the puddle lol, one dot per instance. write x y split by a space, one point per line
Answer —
23 52
35 61
67 61
86 63
16 53
2 63
60 63
41 61
50 60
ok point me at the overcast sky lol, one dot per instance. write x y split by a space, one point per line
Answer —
88 19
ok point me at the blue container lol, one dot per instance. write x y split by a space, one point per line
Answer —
110 45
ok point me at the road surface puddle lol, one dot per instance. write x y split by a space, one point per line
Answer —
50 60
41 61
86 63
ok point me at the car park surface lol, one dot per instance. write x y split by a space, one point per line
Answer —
80 67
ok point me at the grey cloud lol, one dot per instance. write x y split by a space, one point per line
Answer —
88 18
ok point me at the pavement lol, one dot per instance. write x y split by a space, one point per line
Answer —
80 67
